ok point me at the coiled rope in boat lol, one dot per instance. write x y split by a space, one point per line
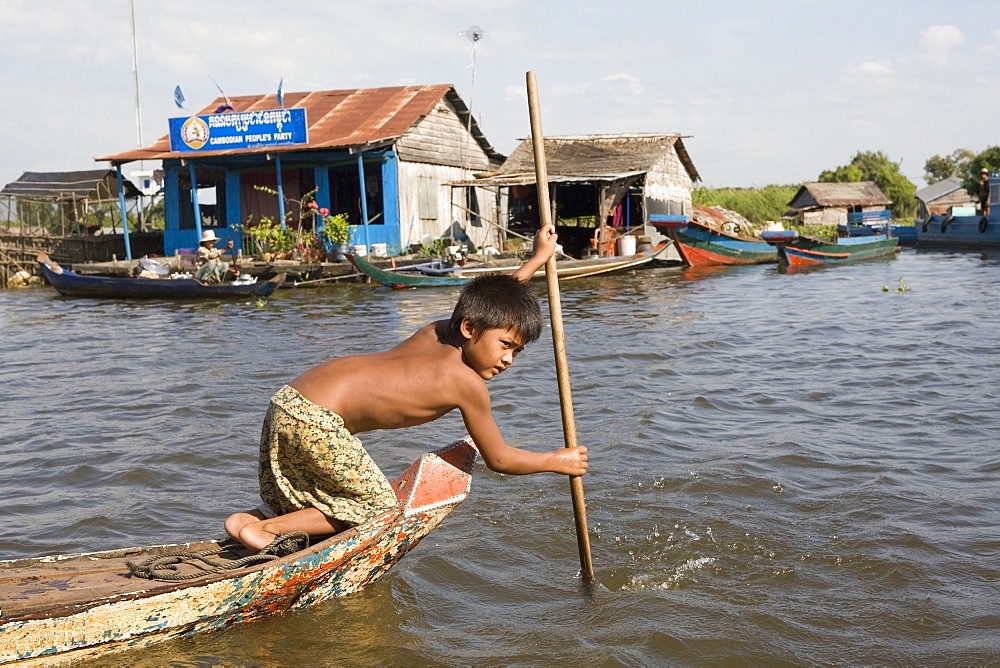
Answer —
167 566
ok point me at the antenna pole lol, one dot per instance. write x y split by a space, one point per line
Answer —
135 72
472 92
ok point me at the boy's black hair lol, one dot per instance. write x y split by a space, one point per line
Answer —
498 301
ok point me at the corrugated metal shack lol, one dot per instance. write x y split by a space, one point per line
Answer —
399 146
598 183
938 198
839 203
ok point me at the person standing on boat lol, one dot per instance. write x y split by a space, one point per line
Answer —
211 268
315 475
984 191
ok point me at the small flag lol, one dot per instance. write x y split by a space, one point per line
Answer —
178 97
281 93
228 104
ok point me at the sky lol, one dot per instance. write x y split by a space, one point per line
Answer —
764 92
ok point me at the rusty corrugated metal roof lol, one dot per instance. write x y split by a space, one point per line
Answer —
336 119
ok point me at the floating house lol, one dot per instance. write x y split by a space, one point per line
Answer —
859 203
599 186
938 198
383 156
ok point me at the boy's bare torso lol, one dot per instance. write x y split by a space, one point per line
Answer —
419 380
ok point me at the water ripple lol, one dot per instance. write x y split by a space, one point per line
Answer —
786 469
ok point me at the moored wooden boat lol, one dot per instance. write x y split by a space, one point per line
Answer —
566 270
88 605
700 245
963 227
72 284
804 251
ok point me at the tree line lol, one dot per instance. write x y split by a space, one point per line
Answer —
771 202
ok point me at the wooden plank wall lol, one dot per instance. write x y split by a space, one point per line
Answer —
439 149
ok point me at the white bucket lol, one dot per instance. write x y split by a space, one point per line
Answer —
626 245
360 250
380 250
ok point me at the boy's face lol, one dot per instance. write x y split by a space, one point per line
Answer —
490 351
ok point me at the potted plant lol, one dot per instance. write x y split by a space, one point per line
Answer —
336 233
271 239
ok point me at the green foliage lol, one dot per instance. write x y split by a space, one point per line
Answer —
877 167
901 287
990 159
156 215
757 205
334 229
270 237
827 232
939 168
843 174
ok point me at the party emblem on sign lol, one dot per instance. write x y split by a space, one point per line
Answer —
194 132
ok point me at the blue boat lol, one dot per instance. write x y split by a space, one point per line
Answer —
963 227
907 234
71 284
960 231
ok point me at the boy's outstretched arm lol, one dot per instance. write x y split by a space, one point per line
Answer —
543 246
504 458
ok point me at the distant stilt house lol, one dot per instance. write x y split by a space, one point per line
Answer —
63 203
383 156
938 198
598 184
73 216
860 203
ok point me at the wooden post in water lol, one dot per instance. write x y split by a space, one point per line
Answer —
558 334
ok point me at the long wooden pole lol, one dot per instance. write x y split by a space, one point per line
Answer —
558 333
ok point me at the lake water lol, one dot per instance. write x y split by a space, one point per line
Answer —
786 468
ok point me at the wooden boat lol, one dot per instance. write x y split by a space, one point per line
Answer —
89 605
566 270
700 245
71 284
795 250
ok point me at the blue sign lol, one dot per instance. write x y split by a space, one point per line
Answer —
238 129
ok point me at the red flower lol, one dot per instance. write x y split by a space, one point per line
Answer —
324 211
311 205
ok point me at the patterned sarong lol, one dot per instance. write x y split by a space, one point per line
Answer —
309 460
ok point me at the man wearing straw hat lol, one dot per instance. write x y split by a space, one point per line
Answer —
984 191
211 268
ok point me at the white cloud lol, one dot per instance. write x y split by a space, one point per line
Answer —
624 82
937 43
877 68
994 46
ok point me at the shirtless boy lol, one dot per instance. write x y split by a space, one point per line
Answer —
316 477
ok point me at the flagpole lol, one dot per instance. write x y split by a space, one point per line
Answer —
277 161
281 190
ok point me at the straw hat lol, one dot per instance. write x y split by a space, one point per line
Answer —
208 236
